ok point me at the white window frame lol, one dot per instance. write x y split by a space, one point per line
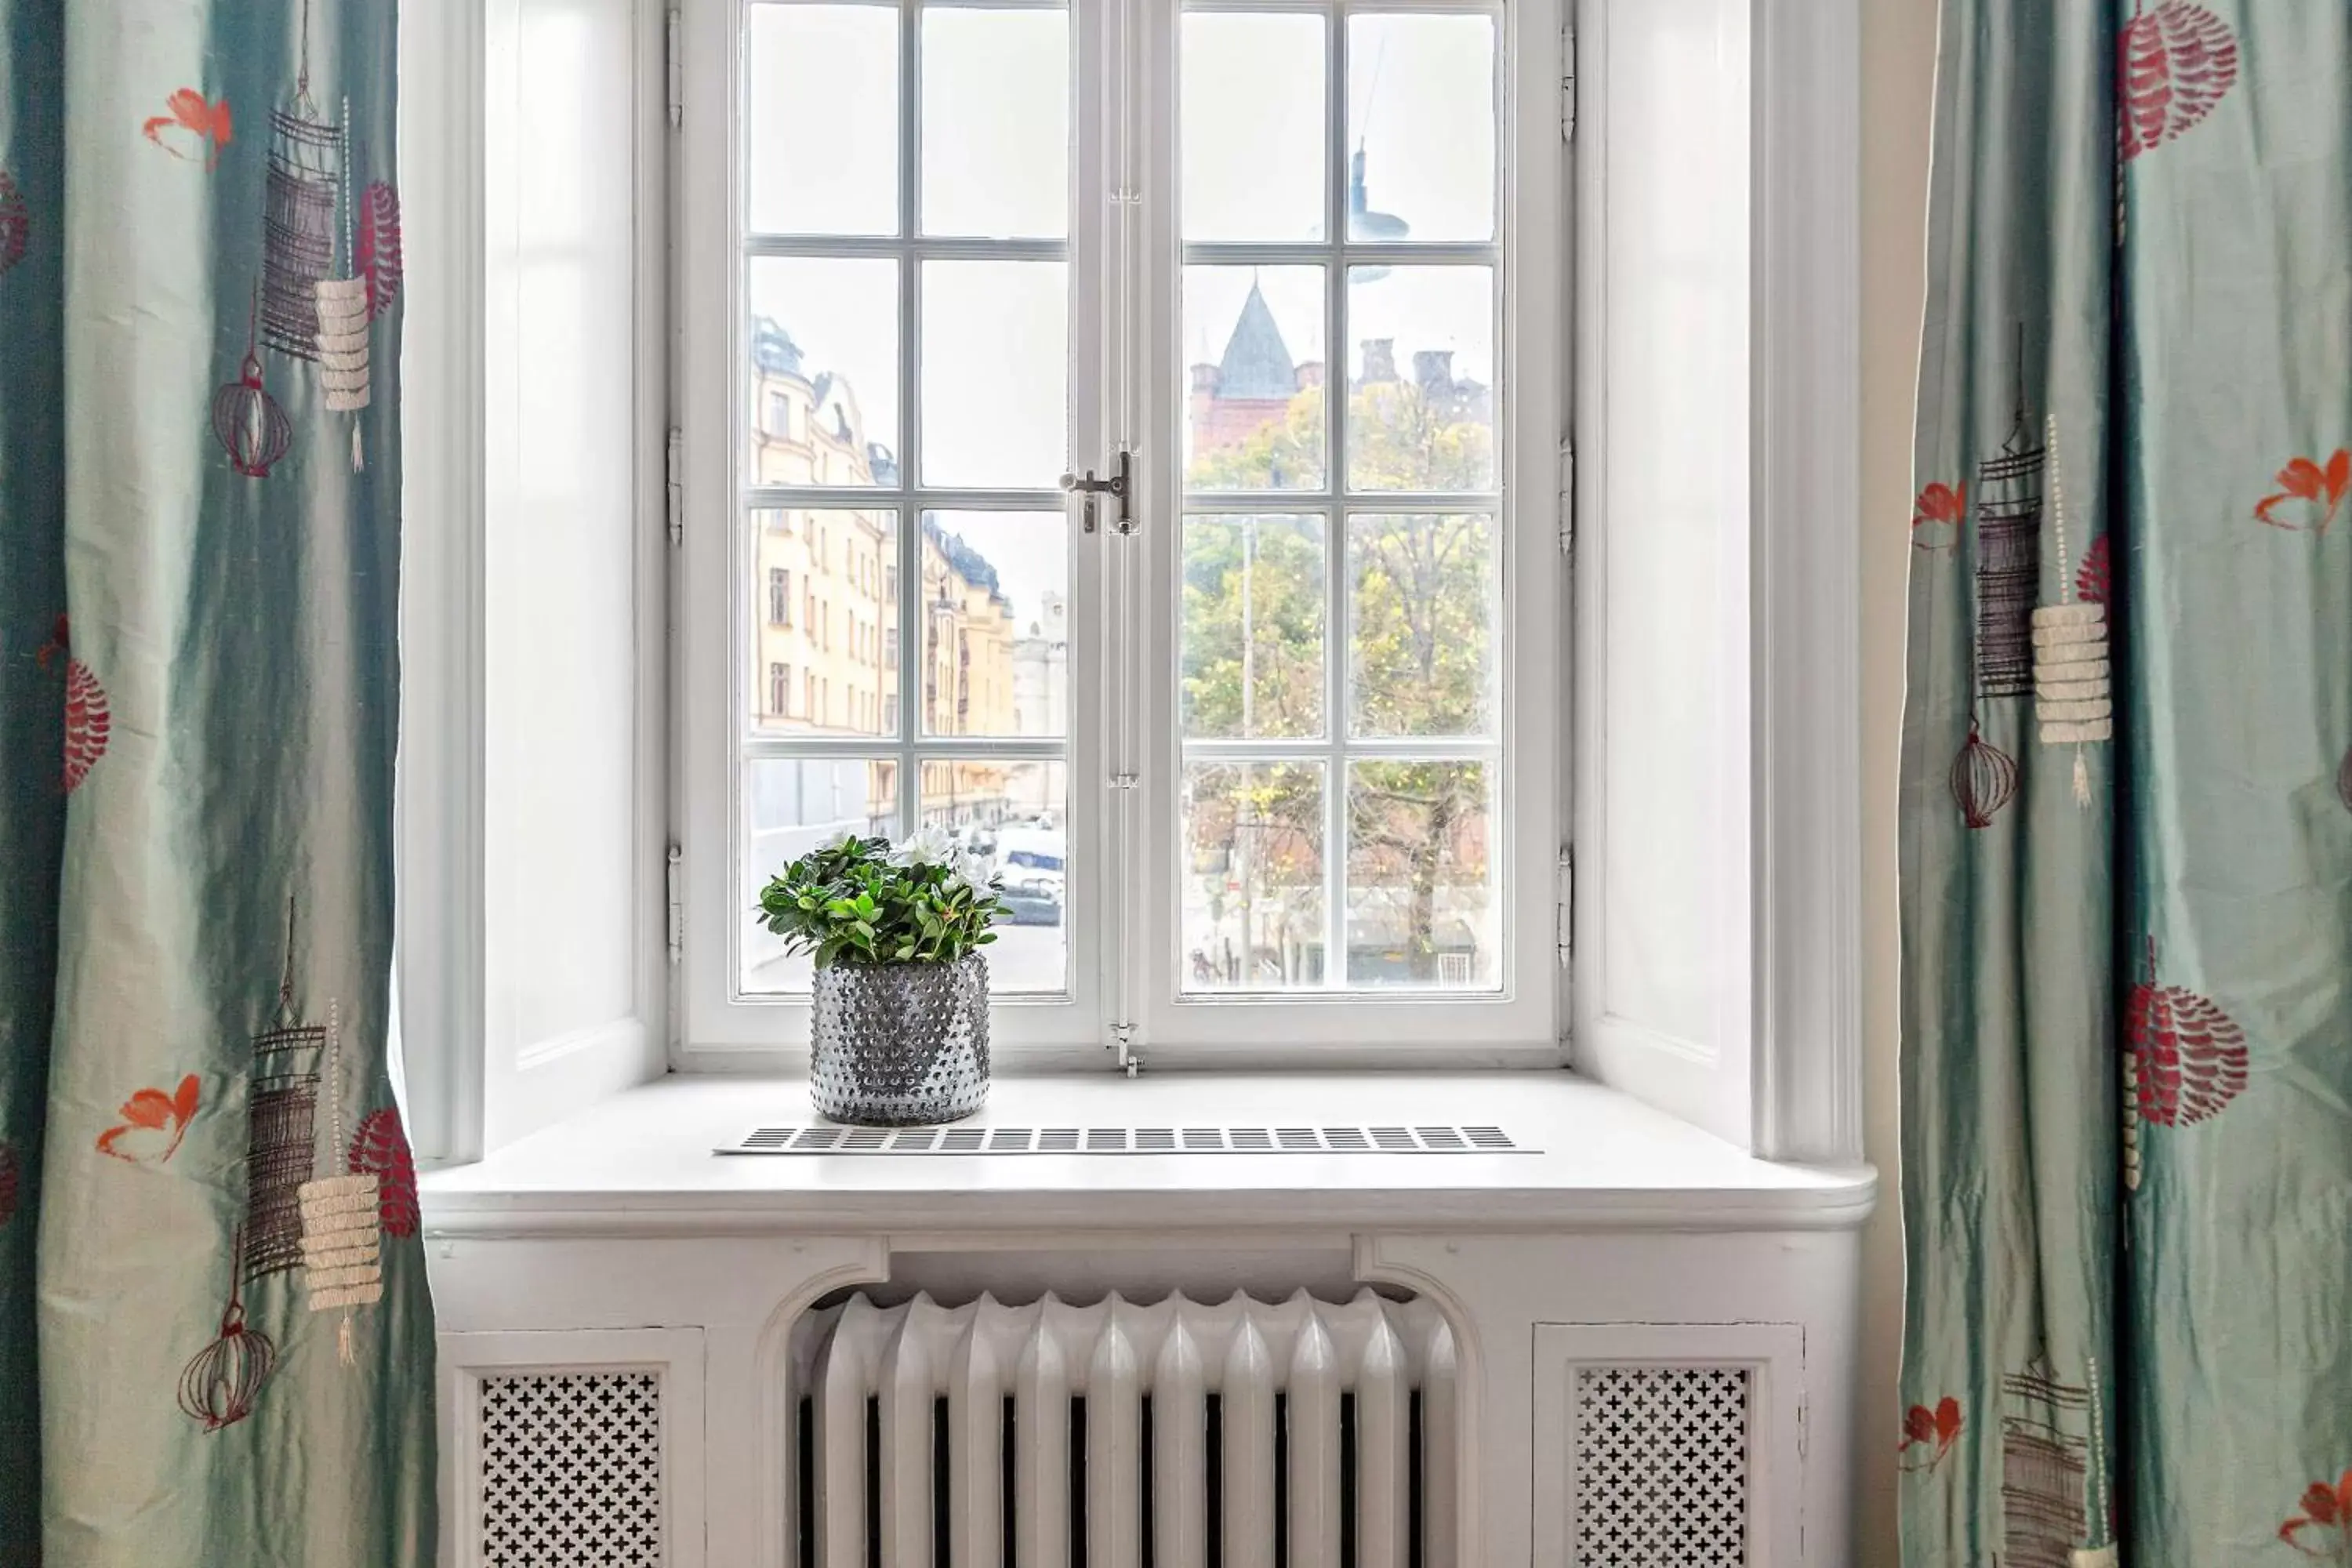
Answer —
1795 1032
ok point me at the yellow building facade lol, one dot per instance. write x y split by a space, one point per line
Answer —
825 589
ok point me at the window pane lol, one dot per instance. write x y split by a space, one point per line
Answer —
1420 906
821 106
823 594
791 805
1016 817
1255 417
995 373
1253 877
824 351
1421 128
1254 588
1421 396
995 623
1424 602
1254 126
996 123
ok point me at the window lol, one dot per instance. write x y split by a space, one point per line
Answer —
780 596
780 690
1265 747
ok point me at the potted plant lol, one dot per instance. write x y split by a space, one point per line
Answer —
899 1036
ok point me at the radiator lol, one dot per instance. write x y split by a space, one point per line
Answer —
1245 1433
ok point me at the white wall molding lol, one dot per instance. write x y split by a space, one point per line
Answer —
1717 810
438 803
1805 555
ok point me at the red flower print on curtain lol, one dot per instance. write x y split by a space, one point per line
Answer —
89 721
2324 1527
16 224
2308 495
2177 62
152 1124
193 127
380 1147
1929 1435
375 253
2188 1056
2094 583
1938 516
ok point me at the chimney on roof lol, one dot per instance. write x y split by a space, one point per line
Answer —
1380 361
1433 369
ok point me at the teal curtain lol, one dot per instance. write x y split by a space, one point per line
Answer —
215 1345
2126 822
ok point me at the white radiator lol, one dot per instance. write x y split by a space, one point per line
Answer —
1247 1432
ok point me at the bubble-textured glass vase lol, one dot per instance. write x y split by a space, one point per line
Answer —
900 1045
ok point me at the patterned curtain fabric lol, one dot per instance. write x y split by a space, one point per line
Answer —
215 1345
2127 832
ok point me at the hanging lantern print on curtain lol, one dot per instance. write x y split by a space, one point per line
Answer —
2073 698
307 159
88 720
2009 554
342 1241
1983 779
281 1123
16 224
2175 61
222 1382
248 422
2184 1061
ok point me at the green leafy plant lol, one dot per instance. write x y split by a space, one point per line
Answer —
858 901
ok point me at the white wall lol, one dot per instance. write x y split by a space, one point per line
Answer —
1898 44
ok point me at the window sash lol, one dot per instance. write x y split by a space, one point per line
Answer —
1124 755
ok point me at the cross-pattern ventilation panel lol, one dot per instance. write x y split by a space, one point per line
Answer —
1662 1466
571 1470
1127 1140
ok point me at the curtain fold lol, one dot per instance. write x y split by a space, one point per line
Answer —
215 1341
2126 822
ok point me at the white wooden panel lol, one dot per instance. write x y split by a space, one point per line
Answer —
571 877
562 1447
1665 786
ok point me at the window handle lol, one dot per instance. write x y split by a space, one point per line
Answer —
1116 485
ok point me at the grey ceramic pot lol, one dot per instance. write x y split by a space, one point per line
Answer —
900 1045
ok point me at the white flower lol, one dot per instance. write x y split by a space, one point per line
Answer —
847 838
971 868
928 845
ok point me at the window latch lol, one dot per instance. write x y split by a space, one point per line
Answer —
1119 485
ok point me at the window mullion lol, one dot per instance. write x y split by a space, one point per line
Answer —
1335 528
911 655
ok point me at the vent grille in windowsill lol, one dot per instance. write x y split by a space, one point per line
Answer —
1127 1141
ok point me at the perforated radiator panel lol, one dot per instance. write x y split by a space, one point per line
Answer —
1363 1139
1662 1466
571 1470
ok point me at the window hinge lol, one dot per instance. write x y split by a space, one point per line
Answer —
676 877
673 465
1568 497
1567 84
1804 1425
1131 1056
676 64
1564 917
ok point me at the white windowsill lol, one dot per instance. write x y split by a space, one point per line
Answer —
640 1163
